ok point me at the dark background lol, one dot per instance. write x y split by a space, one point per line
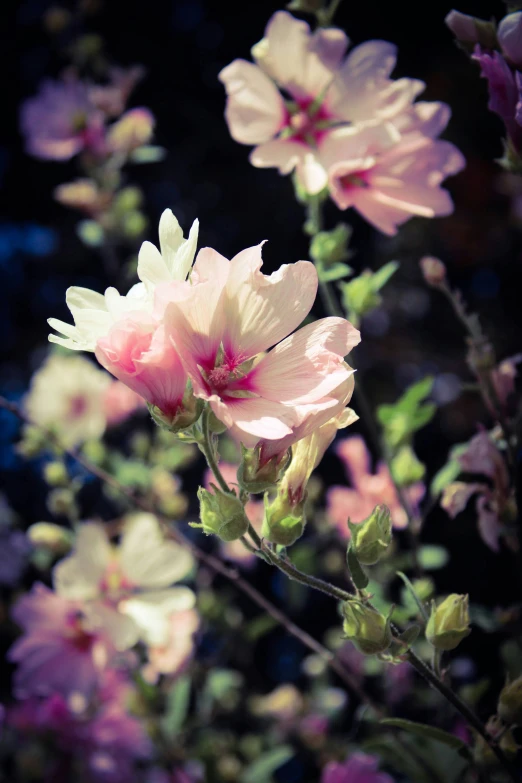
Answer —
183 46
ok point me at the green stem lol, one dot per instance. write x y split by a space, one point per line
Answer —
296 575
206 446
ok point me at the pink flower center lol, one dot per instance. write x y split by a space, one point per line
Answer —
78 637
115 585
308 124
218 378
77 406
357 179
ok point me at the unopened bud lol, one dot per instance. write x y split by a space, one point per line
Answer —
366 628
329 247
53 538
468 30
221 514
433 270
187 414
284 522
55 474
510 702
372 537
509 34
448 624
406 469
254 476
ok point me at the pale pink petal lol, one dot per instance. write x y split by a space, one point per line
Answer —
308 365
147 559
263 309
151 611
255 109
330 45
255 417
427 117
283 154
311 173
457 494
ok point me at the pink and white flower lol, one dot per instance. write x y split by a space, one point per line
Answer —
325 92
63 648
172 657
368 489
127 589
232 313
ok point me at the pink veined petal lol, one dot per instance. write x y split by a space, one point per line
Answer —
426 117
308 365
283 154
330 45
416 199
263 309
254 416
288 58
147 559
255 108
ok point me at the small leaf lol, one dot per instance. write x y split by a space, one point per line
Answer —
413 594
178 701
360 579
433 557
417 393
430 732
409 635
261 770
449 472
381 277
336 272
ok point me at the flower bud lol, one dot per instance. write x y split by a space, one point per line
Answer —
284 521
372 537
55 474
449 622
329 247
406 469
510 702
256 477
468 30
187 414
366 628
433 270
222 514
509 34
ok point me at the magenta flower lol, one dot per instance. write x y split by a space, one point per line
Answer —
504 92
494 503
61 650
325 92
61 121
368 489
359 768
229 315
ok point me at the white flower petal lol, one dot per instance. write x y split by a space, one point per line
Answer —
79 575
147 559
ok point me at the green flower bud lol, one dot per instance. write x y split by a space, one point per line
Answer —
366 628
372 537
510 702
55 474
284 522
256 478
330 247
406 468
187 414
222 514
449 622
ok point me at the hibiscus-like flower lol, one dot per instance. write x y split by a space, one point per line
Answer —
127 589
325 92
368 489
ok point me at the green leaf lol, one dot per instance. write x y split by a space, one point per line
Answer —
335 272
381 277
148 154
430 732
432 557
411 590
259 626
449 472
360 579
178 701
417 393
261 770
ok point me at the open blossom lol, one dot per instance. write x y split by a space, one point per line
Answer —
325 89
95 314
494 503
67 395
173 655
127 589
358 768
389 180
368 489
61 121
62 650
229 315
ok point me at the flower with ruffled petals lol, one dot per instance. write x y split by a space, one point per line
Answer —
232 313
325 92
368 489
494 504
66 395
389 180
61 121
359 768
62 650
127 589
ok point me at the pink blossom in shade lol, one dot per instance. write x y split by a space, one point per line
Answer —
390 180
120 402
368 489
494 499
231 314
61 121
255 511
173 656
504 376
504 92
325 91
61 649
358 768
137 351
